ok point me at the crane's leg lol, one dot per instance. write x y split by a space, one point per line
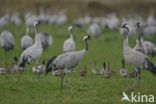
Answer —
138 77
62 77
19 76
36 64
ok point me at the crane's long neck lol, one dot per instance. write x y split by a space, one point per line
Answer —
126 45
86 44
126 42
37 37
36 30
27 31
71 36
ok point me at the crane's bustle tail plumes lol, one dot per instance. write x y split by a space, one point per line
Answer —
150 67
49 64
24 61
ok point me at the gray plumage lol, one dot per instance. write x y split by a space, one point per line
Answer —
145 47
150 48
135 58
33 52
26 40
95 30
7 40
69 44
67 61
46 39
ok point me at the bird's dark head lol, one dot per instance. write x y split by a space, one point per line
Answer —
71 28
124 30
87 37
37 22
138 24
124 25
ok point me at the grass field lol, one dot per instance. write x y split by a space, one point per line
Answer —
89 90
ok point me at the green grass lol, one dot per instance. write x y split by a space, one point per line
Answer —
89 90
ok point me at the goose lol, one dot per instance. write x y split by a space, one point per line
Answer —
135 58
2 70
83 71
133 74
67 61
33 52
123 70
106 70
26 40
95 70
69 44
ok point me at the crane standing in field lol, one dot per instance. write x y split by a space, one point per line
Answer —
7 40
139 42
145 47
33 52
26 40
69 44
67 61
135 58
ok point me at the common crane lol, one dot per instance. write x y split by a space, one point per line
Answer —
33 52
135 58
69 44
67 61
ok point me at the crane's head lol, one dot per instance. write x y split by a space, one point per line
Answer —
87 37
124 30
138 24
70 28
37 23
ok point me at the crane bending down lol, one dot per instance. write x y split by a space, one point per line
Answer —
69 44
135 58
67 61
33 52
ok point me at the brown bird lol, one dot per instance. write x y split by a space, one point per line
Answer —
107 72
95 70
83 71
